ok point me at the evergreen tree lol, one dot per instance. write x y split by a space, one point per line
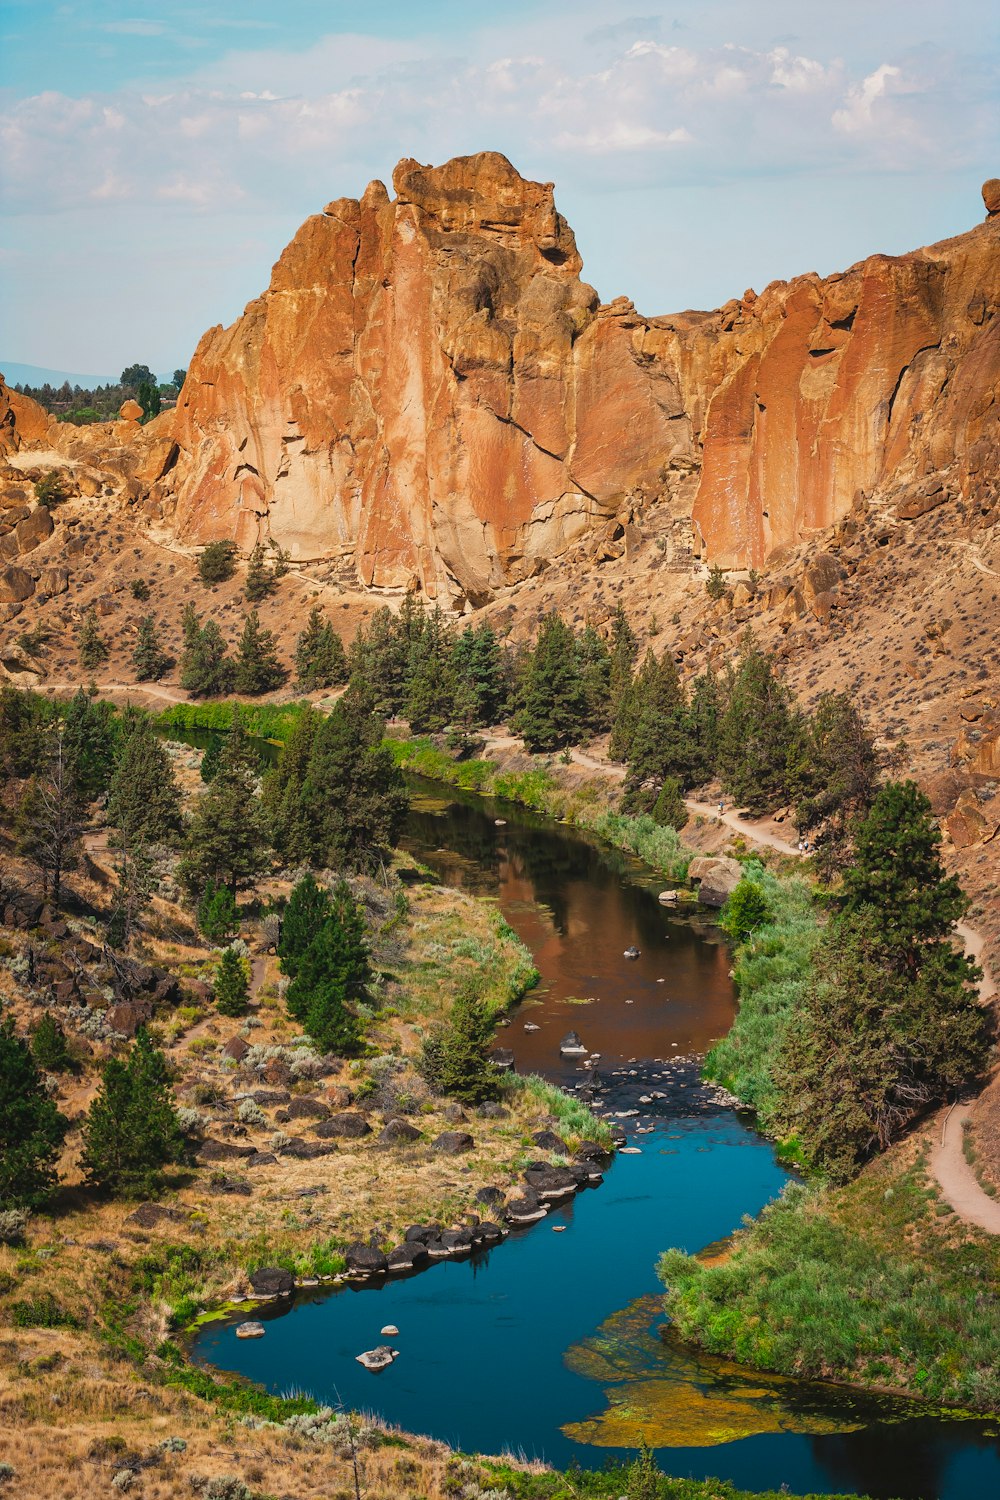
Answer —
226 841
50 819
48 1045
871 1047
231 985
554 707
331 975
218 917
756 733
134 885
31 1128
284 808
23 731
705 709
834 776
149 657
258 669
144 803
379 655
485 672
259 581
308 908
669 809
206 671
430 688
594 662
456 1059
628 705
897 870
660 744
353 801
90 743
92 648
320 659
746 909
624 649
217 562
131 1131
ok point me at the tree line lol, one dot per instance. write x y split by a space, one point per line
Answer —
84 405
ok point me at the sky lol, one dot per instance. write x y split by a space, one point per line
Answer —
156 158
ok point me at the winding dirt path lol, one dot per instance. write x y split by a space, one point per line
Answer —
150 689
751 831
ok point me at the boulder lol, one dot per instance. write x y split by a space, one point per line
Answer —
365 1260
571 1045
212 1150
524 1206
991 196
490 1233
547 1140
503 1058
308 1109
410 1256
377 1359
302 1150
593 1151
490 1197
130 411
716 876
397 1132
221 1183
552 1184
149 1215
261 1159
272 1281
34 529
453 1142
236 1048
268 1098
421 1234
250 1330
346 1126
15 586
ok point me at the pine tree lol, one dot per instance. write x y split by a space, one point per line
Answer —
149 657
231 985
284 808
353 802
23 731
135 882
259 581
628 705
131 1131
746 909
624 649
308 908
669 809
226 841
218 917
659 745
50 820
554 707
31 1128
206 671
430 687
48 1045
485 670
594 662
90 741
144 804
834 776
92 648
897 870
332 974
217 562
379 655
756 733
320 659
705 709
258 669
456 1059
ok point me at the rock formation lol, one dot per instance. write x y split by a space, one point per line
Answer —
430 393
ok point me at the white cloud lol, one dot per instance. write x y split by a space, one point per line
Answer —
621 136
859 110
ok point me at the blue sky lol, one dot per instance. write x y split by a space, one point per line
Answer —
154 159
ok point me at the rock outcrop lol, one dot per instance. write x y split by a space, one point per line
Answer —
429 393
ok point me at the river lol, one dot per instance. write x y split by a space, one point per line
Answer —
550 1345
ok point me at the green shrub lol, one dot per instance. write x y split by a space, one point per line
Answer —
42 1311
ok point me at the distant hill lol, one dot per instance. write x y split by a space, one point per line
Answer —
36 375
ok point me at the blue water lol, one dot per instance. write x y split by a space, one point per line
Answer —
483 1342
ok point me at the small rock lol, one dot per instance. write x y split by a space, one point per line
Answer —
377 1359
250 1330
390 1331
453 1142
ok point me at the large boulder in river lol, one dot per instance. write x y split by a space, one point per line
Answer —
716 877
552 1184
524 1206
410 1256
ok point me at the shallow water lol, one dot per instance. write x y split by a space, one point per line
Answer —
550 1344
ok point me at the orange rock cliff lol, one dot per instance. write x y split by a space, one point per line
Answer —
428 388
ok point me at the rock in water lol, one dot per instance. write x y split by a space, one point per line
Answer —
571 1045
250 1330
390 1331
377 1359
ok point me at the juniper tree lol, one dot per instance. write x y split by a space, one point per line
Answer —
50 818
624 648
669 809
320 659
91 646
353 800
206 671
231 984
259 581
131 1132
429 703
332 975
217 914
90 739
31 1128
477 663
628 705
455 1058
705 709
227 842
150 659
144 803
258 669
756 733
283 804
48 1045
594 663
554 705
217 562
308 908
834 775
659 745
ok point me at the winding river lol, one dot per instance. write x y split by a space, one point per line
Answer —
551 1345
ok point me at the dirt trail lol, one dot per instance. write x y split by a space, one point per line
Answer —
751 831
151 689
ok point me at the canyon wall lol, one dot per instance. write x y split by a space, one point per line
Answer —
429 391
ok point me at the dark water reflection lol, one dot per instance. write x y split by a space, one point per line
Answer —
549 1345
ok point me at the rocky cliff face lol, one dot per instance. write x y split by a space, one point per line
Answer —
427 385
428 391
